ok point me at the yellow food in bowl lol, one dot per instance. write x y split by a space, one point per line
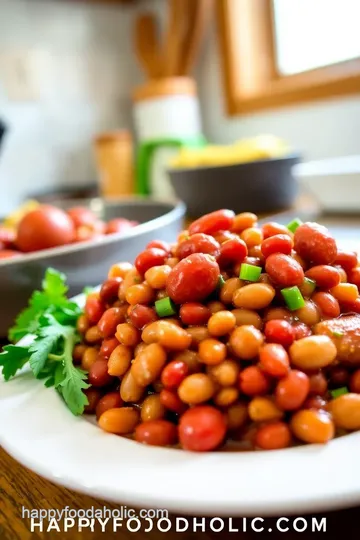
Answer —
12 220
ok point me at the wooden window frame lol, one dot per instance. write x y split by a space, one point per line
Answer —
251 79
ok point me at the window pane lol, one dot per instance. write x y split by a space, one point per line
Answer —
315 33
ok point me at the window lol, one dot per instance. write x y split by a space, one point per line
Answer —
276 52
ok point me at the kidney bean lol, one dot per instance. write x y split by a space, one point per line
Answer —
212 352
120 421
272 228
93 335
150 257
301 330
141 316
315 402
94 308
309 314
279 243
346 259
312 426
254 296
256 252
130 390
111 400
226 373
156 433
90 356
284 270
245 342
243 221
82 324
78 352
278 313
109 321
247 317
152 408
107 347
159 244
198 243
148 364
327 304
252 236
98 374
355 382
313 352
345 411
325 276
274 359
119 361
174 373
221 323
224 236
273 436
198 334
292 390
202 429
226 396
339 376
220 220
231 252
93 395
193 278
110 290
127 334
194 313
279 331
314 243
318 384
252 381
263 409
171 401
157 276
196 388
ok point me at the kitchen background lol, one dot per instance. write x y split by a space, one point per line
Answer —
67 70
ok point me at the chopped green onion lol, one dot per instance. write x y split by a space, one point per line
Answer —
221 282
293 298
165 307
250 272
337 333
339 392
294 224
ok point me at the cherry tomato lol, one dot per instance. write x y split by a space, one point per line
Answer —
80 215
284 270
325 276
156 433
9 253
45 227
171 401
94 308
198 243
118 225
220 220
141 315
314 243
279 331
253 382
201 429
194 313
274 359
232 252
160 244
7 237
279 243
149 258
193 278
174 373
273 436
292 390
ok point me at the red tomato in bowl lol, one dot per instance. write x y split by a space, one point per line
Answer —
81 215
119 225
7 237
45 227
8 253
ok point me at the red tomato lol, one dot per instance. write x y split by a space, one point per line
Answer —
232 251
174 373
314 243
198 243
149 258
279 331
9 253
193 278
201 429
253 382
45 227
274 359
279 243
118 225
220 220
159 244
300 330
284 270
7 237
171 401
273 436
292 390
81 215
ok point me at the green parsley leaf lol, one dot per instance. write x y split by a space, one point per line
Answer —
47 339
54 284
12 359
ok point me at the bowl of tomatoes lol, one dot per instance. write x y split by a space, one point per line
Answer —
79 238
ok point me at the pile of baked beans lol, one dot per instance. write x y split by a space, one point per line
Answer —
180 351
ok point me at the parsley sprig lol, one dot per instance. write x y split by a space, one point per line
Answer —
51 319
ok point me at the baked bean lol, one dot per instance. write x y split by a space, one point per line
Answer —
198 243
160 244
132 277
237 415
254 296
152 408
112 400
292 390
98 374
256 252
354 276
130 390
142 315
174 373
198 334
284 270
215 306
254 261
190 358
313 352
315 244
223 236
324 276
109 321
342 274
211 352
93 395
156 433
107 347
243 221
109 291
93 335
225 374
82 324
149 258
226 396
307 287
318 384
345 292
274 359
119 361
272 228
147 366
221 323
171 401
139 347
263 409
299 260
194 313
346 259
119 270
308 314
232 251
228 289
247 317
279 331
220 220
301 330
355 382
278 313
90 356
172 261
279 243
157 276
245 342
252 381
345 411
339 376
273 436
140 294
78 352
252 236
119 420
327 304
312 426
196 388
127 334
168 335
94 308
